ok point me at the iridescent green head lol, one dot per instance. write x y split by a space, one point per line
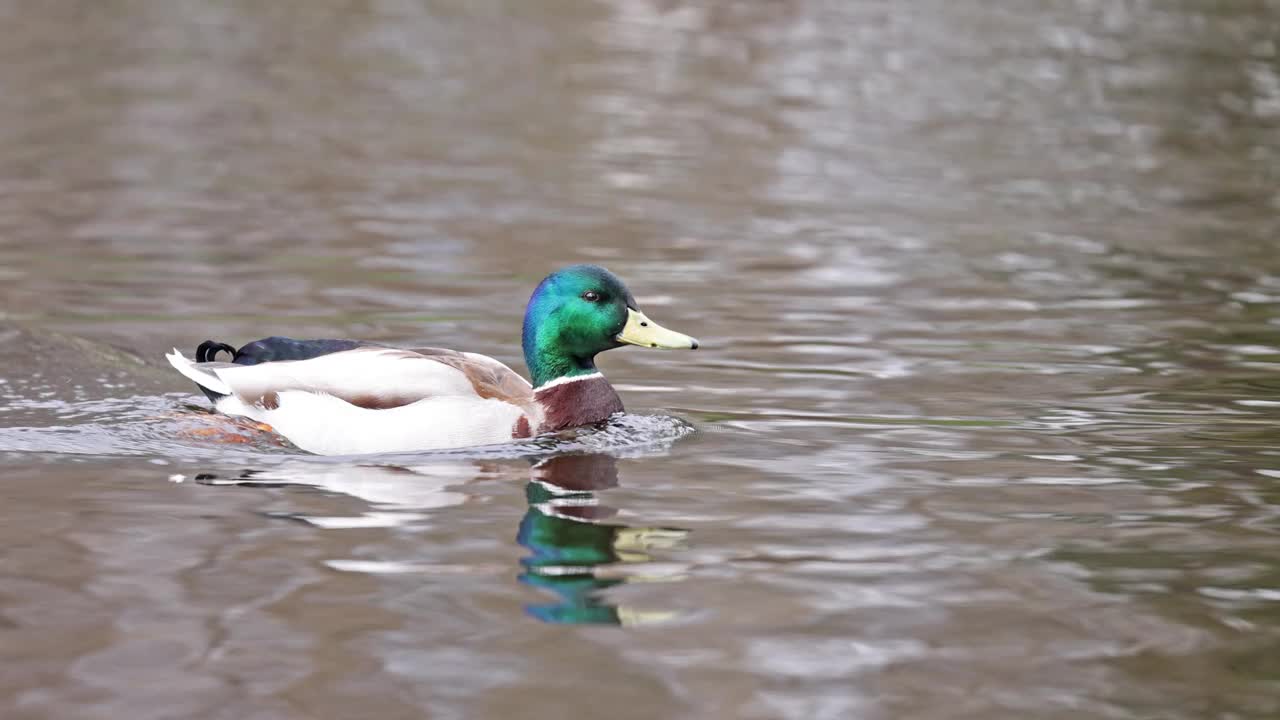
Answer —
579 312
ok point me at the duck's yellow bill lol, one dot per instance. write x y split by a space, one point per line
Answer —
644 332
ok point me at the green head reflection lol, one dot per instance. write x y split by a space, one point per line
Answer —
575 555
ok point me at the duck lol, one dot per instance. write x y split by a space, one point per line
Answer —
350 397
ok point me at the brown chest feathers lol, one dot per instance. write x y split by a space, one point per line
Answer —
576 402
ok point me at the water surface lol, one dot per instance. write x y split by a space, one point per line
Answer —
983 426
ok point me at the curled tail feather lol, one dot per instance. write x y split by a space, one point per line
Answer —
209 349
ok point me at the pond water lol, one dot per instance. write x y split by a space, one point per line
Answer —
984 424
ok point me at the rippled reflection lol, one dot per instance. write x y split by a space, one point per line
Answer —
576 554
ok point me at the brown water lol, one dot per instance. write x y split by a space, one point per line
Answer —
984 425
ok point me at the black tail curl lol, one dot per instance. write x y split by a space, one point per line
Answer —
208 350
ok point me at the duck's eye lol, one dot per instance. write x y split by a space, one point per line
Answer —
591 296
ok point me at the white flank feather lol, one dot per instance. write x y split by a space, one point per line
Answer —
370 372
323 424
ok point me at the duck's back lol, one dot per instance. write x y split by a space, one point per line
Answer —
275 349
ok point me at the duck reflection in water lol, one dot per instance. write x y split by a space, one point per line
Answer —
575 554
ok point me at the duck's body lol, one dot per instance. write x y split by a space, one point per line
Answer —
341 397
373 399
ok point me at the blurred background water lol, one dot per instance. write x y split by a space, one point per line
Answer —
984 425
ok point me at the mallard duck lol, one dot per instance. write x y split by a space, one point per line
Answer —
346 397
